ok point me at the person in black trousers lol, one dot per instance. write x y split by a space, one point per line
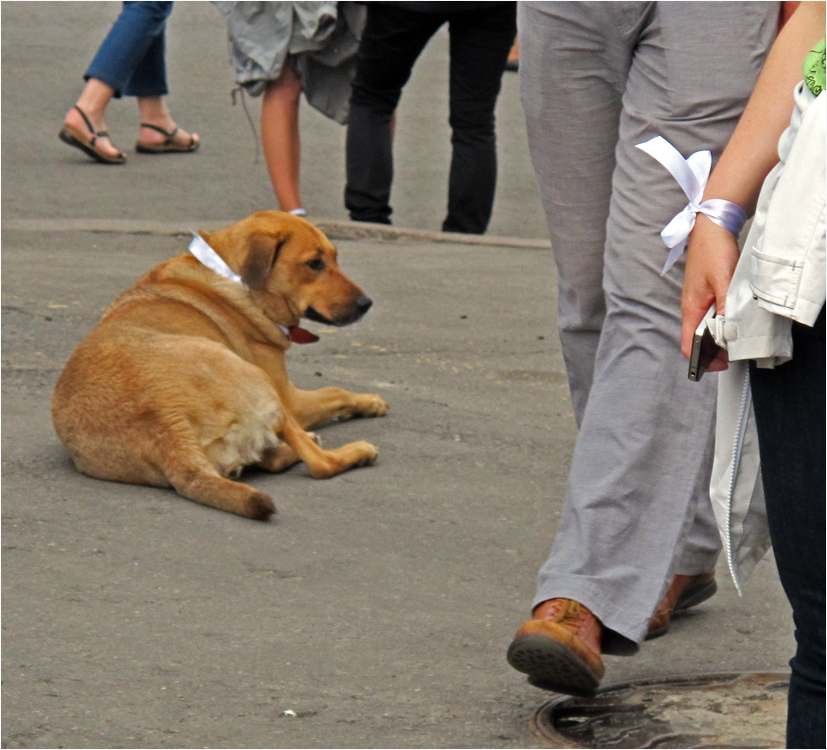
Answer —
481 35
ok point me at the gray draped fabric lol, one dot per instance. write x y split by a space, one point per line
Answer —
318 40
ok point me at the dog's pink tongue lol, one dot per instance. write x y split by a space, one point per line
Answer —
301 336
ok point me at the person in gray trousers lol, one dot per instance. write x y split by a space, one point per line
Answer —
637 538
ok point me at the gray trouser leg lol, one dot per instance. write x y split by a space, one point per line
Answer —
596 79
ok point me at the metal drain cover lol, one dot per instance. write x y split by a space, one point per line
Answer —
724 710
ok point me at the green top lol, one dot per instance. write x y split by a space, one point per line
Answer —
814 69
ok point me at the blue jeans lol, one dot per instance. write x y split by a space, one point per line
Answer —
789 413
131 58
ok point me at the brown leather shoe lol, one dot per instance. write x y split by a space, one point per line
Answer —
685 592
559 649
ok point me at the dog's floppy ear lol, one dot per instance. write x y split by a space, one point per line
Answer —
262 251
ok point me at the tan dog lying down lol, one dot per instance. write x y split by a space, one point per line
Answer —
183 381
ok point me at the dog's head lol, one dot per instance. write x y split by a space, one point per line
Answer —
290 268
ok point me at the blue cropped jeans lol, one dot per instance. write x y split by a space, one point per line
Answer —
131 58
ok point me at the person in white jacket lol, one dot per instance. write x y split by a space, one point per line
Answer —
770 325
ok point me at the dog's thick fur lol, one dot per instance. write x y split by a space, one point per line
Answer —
183 381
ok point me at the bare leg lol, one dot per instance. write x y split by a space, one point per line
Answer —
154 110
93 100
280 137
514 54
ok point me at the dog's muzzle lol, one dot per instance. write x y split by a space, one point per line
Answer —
359 307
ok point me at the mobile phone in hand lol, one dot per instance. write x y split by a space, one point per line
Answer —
704 348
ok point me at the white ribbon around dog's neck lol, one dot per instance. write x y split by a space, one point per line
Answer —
211 259
692 175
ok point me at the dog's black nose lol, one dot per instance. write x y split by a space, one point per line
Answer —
363 303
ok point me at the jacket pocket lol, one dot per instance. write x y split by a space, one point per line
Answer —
775 279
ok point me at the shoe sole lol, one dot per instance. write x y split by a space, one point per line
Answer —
691 597
98 156
551 666
162 148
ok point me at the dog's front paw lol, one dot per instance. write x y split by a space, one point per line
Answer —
367 453
372 406
350 456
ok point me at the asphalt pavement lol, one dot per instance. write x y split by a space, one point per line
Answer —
376 609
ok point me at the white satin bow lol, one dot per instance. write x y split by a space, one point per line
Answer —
692 174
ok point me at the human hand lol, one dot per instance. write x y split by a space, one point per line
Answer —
712 254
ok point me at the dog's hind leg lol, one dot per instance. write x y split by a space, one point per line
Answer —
278 459
225 494
188 470
282 456
205 485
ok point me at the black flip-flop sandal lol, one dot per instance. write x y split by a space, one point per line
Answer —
71 135
168 146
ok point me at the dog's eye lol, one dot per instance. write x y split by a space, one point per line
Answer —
317 264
